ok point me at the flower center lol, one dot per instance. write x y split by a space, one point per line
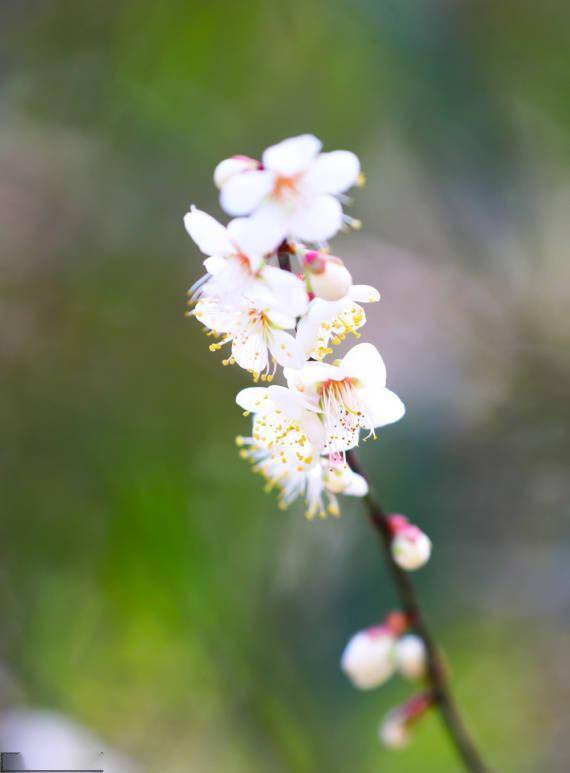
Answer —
285 187
343 414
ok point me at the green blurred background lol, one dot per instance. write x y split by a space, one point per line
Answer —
148 588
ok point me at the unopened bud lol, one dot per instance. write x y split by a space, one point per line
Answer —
395 730
328 276
369 657
232 166
411 548
411 656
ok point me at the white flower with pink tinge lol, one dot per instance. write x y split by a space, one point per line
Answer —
283 420
320 485
284 448
256 333
294 193
327 322
237 268
350 395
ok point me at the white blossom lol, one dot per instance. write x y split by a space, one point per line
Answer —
284 448
256 333
237 268
350 395
369 658
329 322
295 192
287 418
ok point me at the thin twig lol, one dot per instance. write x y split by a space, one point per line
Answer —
436 672
436 675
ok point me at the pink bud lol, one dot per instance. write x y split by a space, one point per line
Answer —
329 278
411 548
394 731
369 659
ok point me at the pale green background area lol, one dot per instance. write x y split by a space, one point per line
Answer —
148 588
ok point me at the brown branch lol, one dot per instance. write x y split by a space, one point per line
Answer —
436 675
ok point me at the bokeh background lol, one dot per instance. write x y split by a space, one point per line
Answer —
149 590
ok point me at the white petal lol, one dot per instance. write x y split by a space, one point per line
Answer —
243 192
316 221
280 319
307 334
254 399
358 486
315 430
325 311
231 166
333 172
287 401
214 315
307 379
382 406
210 236
286 350
365 363
251 238
214 265
364 294
292 155
250 351
270 222
289 291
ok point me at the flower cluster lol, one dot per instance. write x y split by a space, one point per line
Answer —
273 295
375 654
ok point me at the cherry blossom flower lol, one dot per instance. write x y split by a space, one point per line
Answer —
284 448
237 268
295 191
319 486
350 396
285 417
369 658
256 333
327 322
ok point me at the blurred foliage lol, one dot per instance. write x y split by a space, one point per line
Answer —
149 588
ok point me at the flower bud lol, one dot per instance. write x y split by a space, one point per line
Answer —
411 548
232 166
394 731
329 278
411 656
369 657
